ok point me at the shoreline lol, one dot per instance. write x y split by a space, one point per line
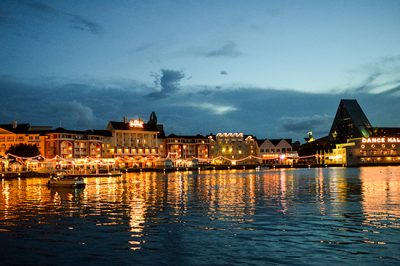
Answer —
31 174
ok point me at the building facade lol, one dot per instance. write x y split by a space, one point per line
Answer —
71 144
133 142
276 151
14 134
353 141
233 148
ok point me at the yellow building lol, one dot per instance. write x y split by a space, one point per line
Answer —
14 134
133 142
233 148
277 151
336 156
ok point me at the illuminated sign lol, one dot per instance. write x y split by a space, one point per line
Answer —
136 123
381 140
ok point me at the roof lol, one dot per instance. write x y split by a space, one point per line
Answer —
198 136
16 128
275 142
350 122
260 142
104 133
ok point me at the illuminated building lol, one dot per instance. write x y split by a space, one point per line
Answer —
74 144
187 147
276 151
14 134
353 141
350 122
134 142
232 148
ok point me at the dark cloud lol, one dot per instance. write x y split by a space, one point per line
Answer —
230 49
261 112
80 23
168 81
316 123
24 11
80 113
223 72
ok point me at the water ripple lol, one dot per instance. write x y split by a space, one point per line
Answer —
296 217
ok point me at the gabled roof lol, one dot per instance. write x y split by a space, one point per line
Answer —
260 142
276 141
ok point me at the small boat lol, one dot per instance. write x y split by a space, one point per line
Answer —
66 181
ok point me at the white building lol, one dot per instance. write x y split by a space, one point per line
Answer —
276 151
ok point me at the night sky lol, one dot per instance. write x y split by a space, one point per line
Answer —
268 68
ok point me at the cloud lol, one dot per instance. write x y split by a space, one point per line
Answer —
80 23
82 114
230 49
214 108
168 81
39 6
185 110
223 72
316 123
25 11
380 76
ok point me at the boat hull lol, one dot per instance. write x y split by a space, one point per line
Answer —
66 182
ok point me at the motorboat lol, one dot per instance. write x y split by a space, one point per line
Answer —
66 181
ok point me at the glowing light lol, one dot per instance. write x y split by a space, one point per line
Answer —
136 123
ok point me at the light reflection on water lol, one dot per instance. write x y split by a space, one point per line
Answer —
287 216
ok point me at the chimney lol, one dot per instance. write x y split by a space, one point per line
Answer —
15 124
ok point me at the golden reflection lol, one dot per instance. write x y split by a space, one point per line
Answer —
337 185
381 196
283 187
5 192
139 199
319 183
177 197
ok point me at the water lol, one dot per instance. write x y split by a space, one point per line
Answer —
297 217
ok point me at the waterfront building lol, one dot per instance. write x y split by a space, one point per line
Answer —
133 142
353 141
187 148
276 151
71 144
350 122
14 134
233 148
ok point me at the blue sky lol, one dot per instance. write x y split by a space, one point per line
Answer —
268 68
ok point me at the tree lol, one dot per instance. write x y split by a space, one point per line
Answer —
24 150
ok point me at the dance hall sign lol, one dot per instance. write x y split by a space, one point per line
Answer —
381 140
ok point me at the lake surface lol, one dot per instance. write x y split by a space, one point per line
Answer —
294 216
